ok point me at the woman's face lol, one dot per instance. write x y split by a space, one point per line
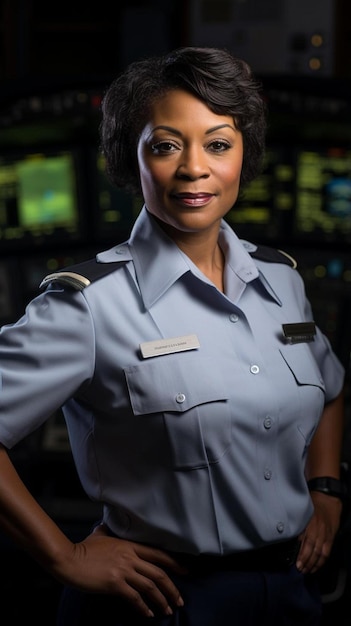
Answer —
190 162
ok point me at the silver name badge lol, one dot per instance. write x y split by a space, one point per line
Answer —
300 332
168 346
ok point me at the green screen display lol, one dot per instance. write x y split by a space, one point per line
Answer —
47 195
38 196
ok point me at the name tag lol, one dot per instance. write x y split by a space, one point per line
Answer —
168 346
300 332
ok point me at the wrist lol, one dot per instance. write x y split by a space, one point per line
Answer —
329 486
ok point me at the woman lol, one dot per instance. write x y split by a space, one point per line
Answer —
199 396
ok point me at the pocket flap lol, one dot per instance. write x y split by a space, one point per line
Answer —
174 383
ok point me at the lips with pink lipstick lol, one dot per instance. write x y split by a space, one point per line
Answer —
194 199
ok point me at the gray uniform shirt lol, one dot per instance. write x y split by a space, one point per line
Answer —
201 446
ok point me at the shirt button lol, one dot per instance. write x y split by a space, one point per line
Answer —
267 423
254 369
233 317
280 527
180 397
119 250
268 474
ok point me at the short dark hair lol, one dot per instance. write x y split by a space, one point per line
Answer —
224 83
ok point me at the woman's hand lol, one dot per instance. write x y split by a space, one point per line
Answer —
318 537
99 564
105 564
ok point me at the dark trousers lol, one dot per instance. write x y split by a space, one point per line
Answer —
221 598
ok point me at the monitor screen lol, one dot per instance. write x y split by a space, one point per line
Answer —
39 197
115 209
264 208
323 194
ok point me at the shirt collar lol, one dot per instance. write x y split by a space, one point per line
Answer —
160 265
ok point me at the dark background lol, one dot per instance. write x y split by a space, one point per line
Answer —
56 60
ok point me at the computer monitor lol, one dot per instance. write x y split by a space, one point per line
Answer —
114 210
40 197
264 210
323 193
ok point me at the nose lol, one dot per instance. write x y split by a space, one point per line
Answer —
193 164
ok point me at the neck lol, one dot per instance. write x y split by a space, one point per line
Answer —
204 251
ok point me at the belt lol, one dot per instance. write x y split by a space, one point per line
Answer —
273 557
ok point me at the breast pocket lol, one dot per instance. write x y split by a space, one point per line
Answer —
310 396
189 396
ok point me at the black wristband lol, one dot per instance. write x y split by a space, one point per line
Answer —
328 485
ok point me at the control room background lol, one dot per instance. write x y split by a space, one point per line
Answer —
56 207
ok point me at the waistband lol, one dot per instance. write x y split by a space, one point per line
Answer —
273 557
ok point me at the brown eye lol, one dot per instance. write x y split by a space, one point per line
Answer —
219 146
163 147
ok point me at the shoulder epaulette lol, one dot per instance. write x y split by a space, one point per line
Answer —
272 255
80 275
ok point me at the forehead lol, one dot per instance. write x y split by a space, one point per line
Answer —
180 105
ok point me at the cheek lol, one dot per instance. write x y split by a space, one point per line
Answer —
146 178
145 171
152 187
153 176
230 175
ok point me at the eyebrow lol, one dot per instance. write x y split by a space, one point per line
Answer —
208 132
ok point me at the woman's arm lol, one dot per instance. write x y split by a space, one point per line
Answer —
324 455
324 459
99 563
22 518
